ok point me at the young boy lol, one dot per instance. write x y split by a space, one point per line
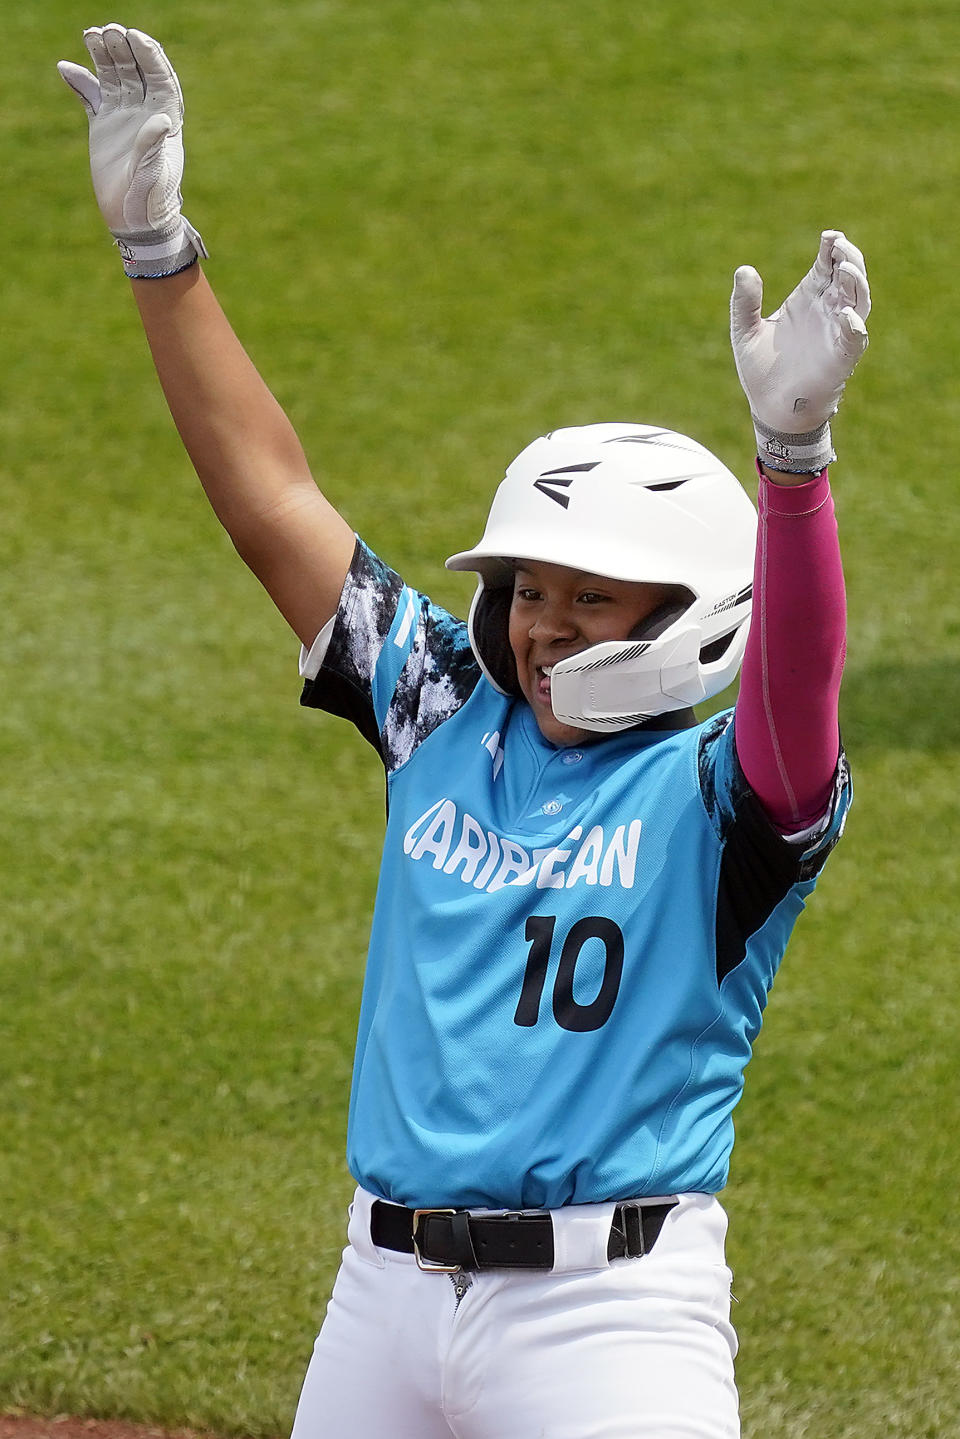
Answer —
585 894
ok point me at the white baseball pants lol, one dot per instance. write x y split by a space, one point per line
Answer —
634 1349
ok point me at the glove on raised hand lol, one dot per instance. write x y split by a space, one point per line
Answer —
793 366
135 108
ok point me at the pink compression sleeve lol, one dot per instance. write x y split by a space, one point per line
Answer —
787 730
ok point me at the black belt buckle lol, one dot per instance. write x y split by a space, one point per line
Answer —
428 1265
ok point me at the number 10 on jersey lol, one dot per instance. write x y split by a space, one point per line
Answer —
567 1011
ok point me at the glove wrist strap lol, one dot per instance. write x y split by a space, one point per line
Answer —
796 454
151 256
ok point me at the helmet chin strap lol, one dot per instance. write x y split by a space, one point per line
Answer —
650 628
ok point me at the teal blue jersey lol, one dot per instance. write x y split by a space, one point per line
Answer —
571 948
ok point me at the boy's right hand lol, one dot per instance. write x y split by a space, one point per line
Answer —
793 366
135 108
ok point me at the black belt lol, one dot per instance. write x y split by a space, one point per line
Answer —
452 1239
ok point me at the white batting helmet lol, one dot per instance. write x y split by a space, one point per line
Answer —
628 502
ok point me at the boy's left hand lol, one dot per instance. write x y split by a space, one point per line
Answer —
793 365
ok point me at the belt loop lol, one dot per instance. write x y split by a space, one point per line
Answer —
358 1229
581 1233
633 1231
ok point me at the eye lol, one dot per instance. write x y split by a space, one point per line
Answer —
526 593
592 597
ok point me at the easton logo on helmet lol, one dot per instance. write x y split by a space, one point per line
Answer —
553 481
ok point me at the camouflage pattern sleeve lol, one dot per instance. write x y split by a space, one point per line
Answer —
396 666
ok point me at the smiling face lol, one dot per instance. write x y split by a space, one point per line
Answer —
556 612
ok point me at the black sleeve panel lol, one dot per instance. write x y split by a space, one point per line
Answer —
758 866
346 700
757 869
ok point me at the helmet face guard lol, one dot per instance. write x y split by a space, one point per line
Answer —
627 502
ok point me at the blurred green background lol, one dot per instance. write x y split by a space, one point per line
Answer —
442 228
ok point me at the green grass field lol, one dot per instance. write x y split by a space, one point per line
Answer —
442 228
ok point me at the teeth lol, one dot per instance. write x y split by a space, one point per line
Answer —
547 670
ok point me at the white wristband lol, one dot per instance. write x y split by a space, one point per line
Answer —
151 256
796 454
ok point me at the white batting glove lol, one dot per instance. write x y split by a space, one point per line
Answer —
793 366
135 108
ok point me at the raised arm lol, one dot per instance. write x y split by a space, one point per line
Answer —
241 443
793 367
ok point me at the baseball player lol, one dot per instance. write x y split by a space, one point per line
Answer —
585 893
